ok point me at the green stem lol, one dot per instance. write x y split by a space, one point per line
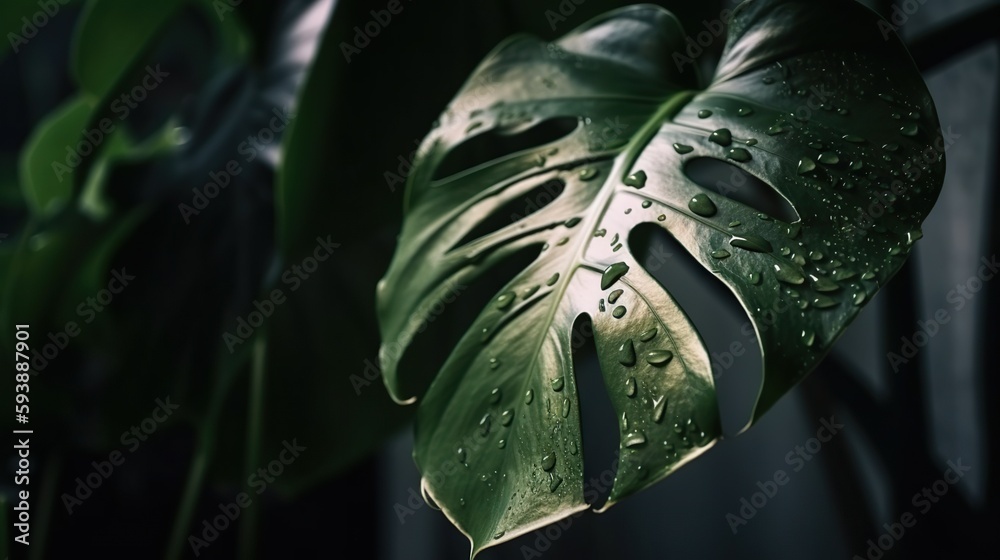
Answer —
255 410
229 366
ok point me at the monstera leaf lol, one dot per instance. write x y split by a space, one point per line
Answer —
809 97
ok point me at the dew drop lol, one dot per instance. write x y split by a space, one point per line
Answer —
626 353
558 384
618 312
738 154
613 296
549 461
529 396
702 205
612 274
495 395
823 284
859 298
704 114
735 224
554 483
648 335
720 254
721 137
502 443
787 274
823 302
751 242
908 129
659 407
744 111
808 337
854 139
505 300
637 179
528 292
572 222
661 217
646 204
484 425
659 357
841 274
552 279
630 387
754 278
806 165
507 417
634 439
682 148
829 158
588 173
775 129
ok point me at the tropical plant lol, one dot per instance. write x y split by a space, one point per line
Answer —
811 98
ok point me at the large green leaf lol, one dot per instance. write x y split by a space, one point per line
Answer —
809 97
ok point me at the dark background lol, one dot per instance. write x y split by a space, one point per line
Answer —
355 492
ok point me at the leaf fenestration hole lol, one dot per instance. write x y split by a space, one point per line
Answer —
733 182
598 420
441 331
496 143
717 315
518 208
